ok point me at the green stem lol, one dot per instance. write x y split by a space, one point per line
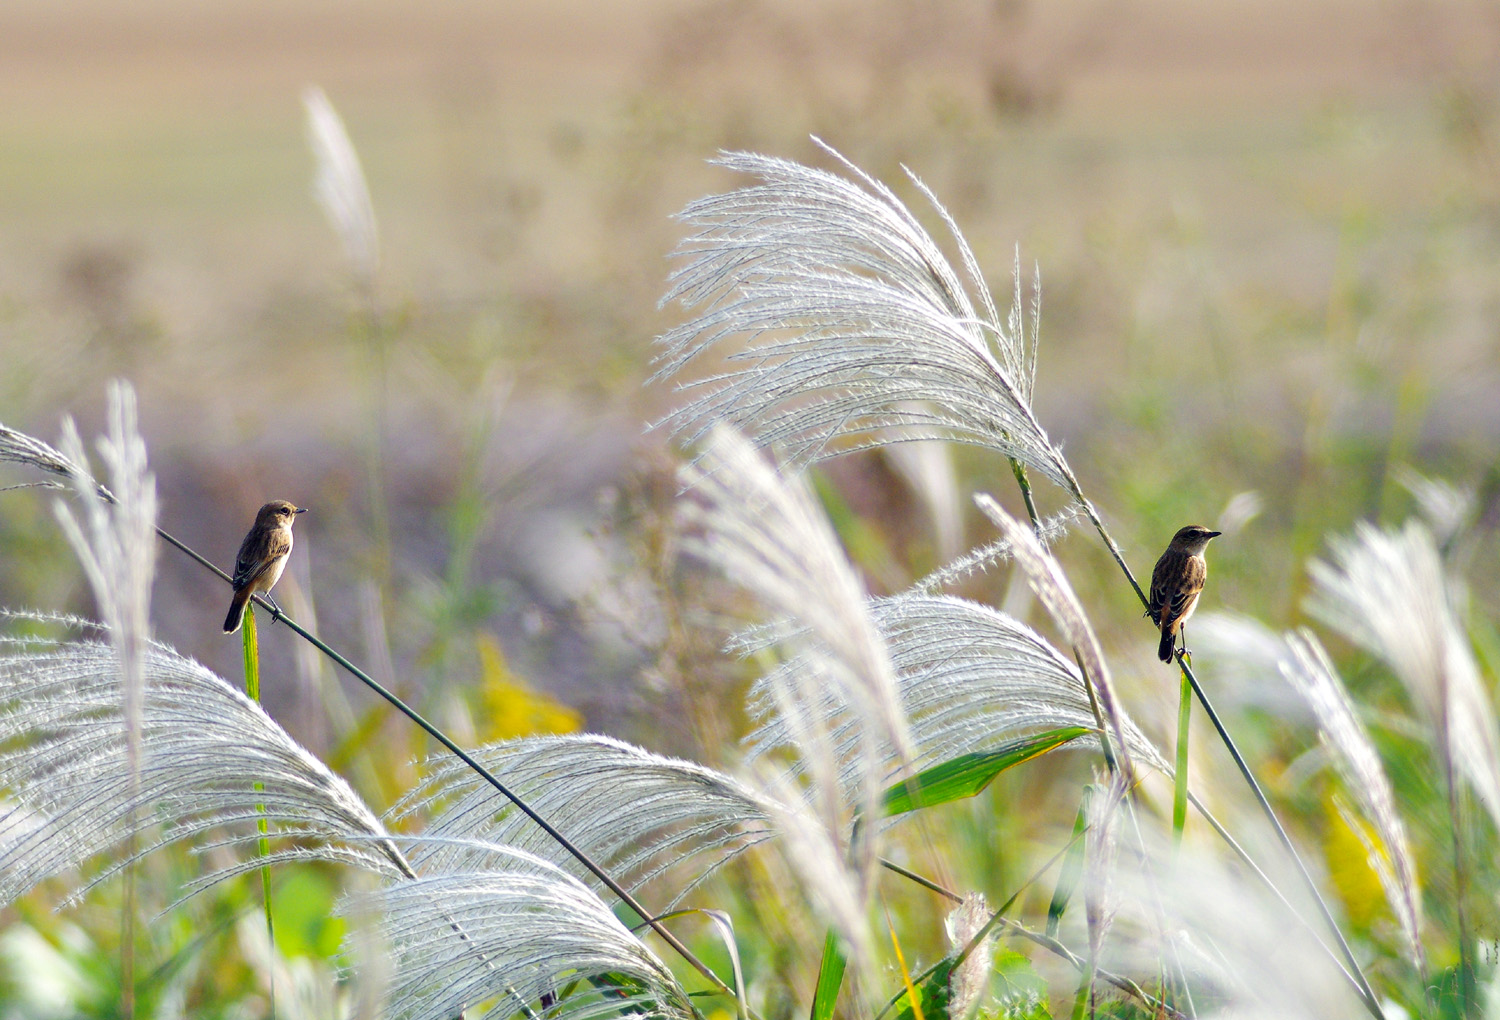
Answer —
1466 991
1179 779
1362 986
998 919
1085 989
1019 470
277 616
1355 974
250 641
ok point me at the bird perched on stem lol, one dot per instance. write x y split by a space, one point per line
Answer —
1175 584
262 558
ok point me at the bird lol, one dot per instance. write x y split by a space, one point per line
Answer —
1176 582
262 558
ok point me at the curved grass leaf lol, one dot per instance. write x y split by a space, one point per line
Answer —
969 774
830 977
1072 867
214 761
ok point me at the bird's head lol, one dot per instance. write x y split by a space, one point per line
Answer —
1193 539
278 514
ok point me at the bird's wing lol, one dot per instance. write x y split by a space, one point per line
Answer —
1163 582
257 553
1190 583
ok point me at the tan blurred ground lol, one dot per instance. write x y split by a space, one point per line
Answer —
1293 204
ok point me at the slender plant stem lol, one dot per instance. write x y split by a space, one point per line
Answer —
998 918
250 640
1366 993
436 734
1019 470
1085 994
1460 883
1179 776
1362 985
127 935
922 880
1088 687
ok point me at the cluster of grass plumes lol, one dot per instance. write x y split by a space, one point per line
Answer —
554 876
845 328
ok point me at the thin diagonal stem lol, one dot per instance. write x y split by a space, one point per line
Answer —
1249 862
1354 973
574 851
567 845
1366 993
1016 928
1019 469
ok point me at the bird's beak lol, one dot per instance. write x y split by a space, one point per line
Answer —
303 510
1211 534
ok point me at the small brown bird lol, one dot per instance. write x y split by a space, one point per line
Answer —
262 557
1176 582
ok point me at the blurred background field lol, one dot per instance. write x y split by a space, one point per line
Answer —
1268 233
1269 238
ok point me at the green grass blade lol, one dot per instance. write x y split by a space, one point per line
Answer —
252 690
934 996
1085 991
830 978
968 774
1072 867
252 654
1179 784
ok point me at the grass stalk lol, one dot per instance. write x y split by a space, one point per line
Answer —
1466 990
1179 777
1085 994
1047 942
1354 972
1361 984
127 940
562 841
277 616
1019 470
250 641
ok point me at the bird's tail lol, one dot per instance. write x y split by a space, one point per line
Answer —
1163 650
237 610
